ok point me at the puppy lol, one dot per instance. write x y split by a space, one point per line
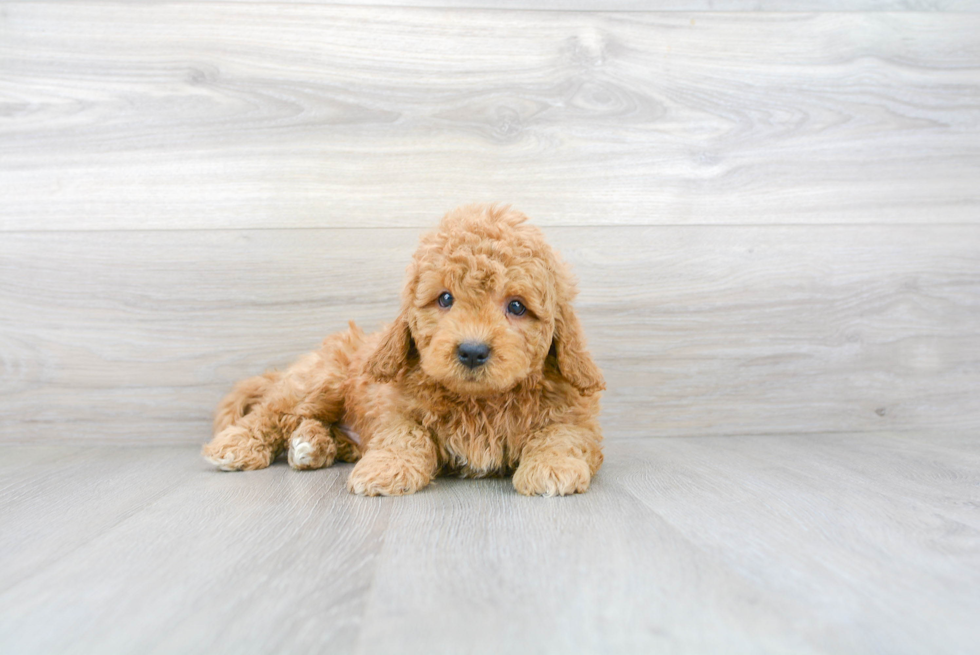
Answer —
483 372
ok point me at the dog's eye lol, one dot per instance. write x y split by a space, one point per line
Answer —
445 300
516 307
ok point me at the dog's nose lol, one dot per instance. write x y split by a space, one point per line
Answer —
472 354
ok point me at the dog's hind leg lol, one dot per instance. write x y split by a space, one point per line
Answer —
257 434
317 440
294 410
247 394
250 444
253 421
240 426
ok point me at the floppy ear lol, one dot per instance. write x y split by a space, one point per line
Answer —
574 361
393 351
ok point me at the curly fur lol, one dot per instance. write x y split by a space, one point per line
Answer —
400 403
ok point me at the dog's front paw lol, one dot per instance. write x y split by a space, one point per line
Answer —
381 473
235 449
311 447
552 475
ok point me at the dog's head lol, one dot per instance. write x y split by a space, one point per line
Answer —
486 305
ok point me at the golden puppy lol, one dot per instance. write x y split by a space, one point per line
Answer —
484 372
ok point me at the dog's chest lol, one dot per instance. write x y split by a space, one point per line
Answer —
481 439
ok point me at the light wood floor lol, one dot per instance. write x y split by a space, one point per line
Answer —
834 544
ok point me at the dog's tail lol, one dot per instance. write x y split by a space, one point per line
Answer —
242 398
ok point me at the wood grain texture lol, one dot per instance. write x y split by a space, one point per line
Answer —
257 547
826 544
88 504
117 337
235 115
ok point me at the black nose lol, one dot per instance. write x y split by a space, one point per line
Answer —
472 354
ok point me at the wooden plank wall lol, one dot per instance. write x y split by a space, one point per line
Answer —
775 216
